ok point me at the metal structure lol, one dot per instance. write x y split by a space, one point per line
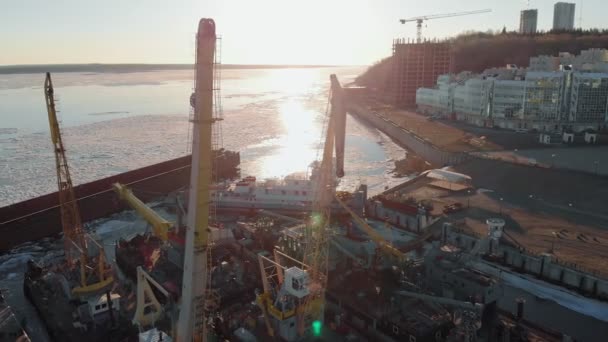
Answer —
95 275
386 247
422 19
317 235
148 309
293 300
160 226
467 323
195 301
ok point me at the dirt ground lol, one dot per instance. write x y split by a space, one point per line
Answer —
581 245
443 136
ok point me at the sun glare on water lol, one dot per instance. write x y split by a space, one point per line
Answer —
297 147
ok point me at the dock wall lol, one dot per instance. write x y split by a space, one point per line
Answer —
407 138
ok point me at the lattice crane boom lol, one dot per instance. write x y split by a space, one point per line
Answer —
74 239
422 19
317 231
95 275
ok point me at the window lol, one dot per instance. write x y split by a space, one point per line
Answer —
283 192
303 193
97 307
297 193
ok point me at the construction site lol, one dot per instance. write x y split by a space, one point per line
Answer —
455 253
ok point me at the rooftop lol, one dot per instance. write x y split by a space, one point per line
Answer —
531 222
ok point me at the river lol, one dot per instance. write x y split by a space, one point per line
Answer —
115 122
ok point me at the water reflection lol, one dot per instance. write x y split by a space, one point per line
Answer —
297 147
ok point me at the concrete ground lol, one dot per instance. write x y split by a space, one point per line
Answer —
590 159
506 139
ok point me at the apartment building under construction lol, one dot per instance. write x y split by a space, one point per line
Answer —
416 65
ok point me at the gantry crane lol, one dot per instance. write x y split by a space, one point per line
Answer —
196 301
422 19
94 277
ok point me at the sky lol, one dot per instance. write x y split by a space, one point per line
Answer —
329 32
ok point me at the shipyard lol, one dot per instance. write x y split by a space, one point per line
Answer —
433 196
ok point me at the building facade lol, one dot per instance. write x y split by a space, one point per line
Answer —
563 16
528 20
549 96
589 98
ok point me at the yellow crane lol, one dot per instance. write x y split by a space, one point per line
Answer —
160 226
197 300
95 275
293 297
317 235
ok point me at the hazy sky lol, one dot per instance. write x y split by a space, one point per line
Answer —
354 32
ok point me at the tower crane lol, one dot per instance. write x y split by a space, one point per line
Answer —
94 276
196 300
422 19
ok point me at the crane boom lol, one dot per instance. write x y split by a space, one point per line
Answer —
160 226
192 321
74 237
75 243
419 20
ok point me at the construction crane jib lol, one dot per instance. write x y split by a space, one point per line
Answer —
192 317
95 275
422 19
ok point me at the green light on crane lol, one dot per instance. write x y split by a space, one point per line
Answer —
316 328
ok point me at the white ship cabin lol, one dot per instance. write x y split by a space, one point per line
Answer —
292 187
99 305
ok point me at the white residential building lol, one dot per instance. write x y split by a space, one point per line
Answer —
543 96
508 98
589 98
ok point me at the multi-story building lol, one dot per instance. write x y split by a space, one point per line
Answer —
559 93
563 16
416 65
543 96
589 98
508 98
527 21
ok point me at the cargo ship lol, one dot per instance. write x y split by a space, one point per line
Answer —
39 217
